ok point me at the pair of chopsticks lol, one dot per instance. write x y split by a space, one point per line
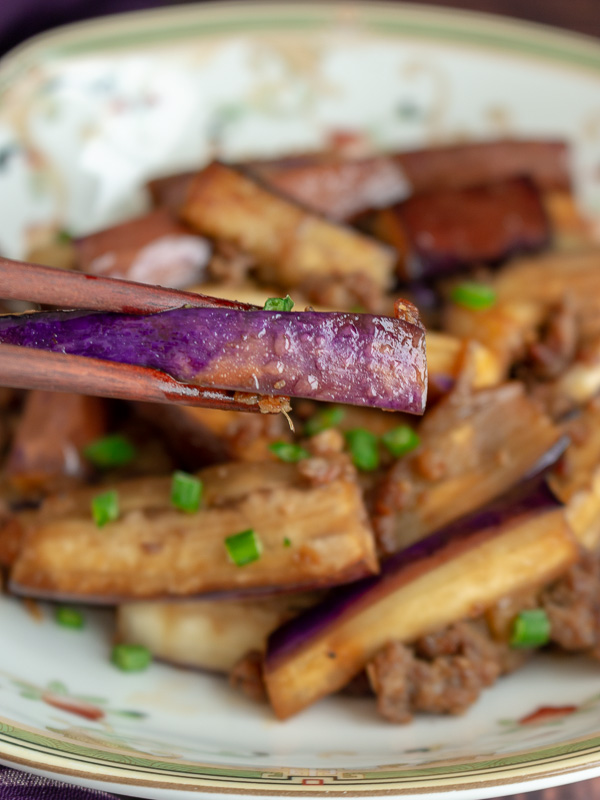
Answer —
27 368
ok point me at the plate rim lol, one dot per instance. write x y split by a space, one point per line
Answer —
569 50
537 40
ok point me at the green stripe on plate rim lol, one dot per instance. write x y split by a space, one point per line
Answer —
99 756
229 18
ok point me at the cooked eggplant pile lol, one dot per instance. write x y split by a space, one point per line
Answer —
365 549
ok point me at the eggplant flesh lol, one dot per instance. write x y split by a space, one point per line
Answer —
527 291
309 537
575 479
207 634
460 571
474 447
290 243
349 358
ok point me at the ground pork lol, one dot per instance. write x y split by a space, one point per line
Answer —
442 673
573 606
247 676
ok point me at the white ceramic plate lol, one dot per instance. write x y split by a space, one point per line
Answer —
86 115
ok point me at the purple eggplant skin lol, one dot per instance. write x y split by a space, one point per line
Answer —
522 540
358 359
533 495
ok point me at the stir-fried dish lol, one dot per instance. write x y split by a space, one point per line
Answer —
363 548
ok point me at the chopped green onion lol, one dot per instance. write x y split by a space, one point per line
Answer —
64 237
290 453
131 657
287 542
111 451
105 508
531 628
324 419
186 492
401 440
474 296
244 547
279 304
69 617
363 449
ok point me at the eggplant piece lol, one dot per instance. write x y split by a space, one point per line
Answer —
155 248
543 282
290 243
349 358
445 166
446 231
46 450
337 189
447 357
474 447
207 634
546 161
454 574
170 191
197 436
11 536
153 550
527 291
571 228
575 386
575 479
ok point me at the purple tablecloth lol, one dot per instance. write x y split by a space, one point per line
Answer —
16 785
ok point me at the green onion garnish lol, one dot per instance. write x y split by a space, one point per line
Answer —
363 449
69 617
244 547
290 453
401 440
111 451
287 542
279 304
474 296
131 657
530 628
186 492
63 237
105 508
324 419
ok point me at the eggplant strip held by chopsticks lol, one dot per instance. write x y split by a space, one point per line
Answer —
307 536
347 358
454 574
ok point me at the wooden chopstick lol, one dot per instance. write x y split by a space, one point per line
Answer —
20 280
27 368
